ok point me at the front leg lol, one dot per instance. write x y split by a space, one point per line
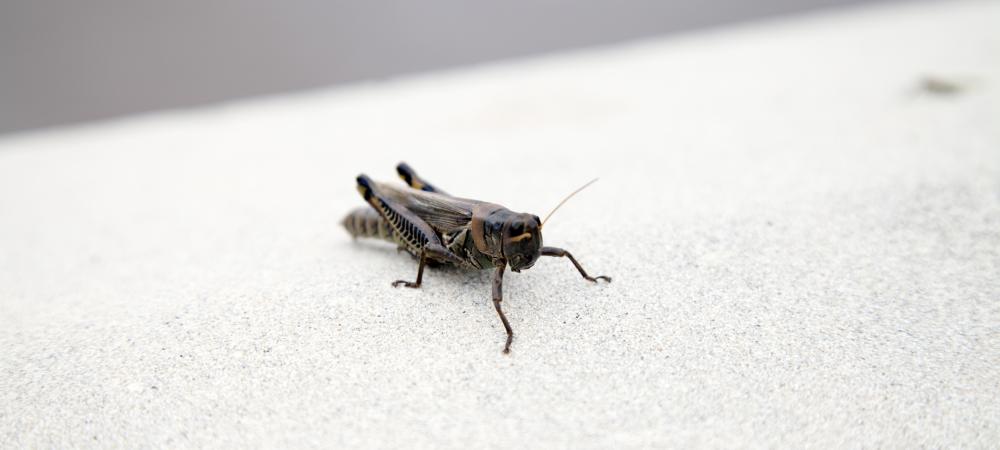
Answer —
497 298
553 251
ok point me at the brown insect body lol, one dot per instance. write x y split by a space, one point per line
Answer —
436 227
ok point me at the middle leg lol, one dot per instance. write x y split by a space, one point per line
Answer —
420 274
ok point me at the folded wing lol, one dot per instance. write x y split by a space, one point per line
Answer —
444 213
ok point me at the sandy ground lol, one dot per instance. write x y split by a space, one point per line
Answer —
805 247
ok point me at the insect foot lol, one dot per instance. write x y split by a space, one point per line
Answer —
599 277
408 284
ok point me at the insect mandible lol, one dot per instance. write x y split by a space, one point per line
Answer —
436 227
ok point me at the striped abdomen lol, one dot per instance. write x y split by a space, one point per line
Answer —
366 222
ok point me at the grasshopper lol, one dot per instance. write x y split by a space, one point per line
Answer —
438 228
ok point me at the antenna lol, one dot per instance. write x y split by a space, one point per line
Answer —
565 200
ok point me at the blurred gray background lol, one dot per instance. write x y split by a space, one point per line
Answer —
64 61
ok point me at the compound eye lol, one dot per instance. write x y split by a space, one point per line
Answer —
517 228
537 220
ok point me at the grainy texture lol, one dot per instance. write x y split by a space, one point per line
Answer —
810 257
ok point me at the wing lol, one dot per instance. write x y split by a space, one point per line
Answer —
444 213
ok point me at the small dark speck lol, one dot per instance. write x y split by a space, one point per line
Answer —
941 86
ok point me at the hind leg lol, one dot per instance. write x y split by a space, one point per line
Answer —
414 181
410 230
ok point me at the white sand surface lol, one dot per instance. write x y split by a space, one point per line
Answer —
805 248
